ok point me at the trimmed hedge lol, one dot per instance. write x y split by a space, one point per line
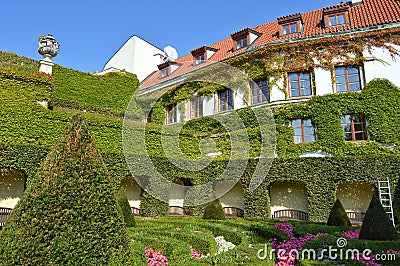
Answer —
338 215
376 224
68 214
123 202
214 211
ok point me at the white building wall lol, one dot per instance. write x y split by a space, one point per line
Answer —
12 184
276 94
136 56
234 197
286 195
382 65
133 192
238 99
208 105
323 81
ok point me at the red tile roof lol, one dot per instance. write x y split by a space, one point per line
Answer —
370 13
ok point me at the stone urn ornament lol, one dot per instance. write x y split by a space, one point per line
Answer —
48 47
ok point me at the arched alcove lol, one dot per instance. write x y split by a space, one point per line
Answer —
133 193
232 201
12 187
289 200
355 198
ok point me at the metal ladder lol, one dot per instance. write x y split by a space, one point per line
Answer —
386 198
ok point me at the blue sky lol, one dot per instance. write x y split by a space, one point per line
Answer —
90 31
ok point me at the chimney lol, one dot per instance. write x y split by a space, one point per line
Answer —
356 2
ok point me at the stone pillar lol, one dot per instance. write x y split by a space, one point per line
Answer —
46 66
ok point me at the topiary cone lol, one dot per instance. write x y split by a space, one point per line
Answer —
376 224
338 215
123 202
68 214
214 211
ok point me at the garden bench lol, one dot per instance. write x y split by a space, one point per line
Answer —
233 212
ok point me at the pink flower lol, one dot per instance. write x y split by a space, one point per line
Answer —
195 253
290 245
351 233
155 258
177 229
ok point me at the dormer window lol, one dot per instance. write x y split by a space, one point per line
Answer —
167 68
165 72
337 15
290 28
244 38
202 54
241 43
290 24
200 59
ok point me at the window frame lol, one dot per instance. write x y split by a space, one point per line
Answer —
336 16
165 72
172 108
348 83
229 105
260 93
299 89
198 110
242 42
200 58
363 123
303 134
336 13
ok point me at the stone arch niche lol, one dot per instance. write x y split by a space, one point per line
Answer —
12 187
289 201
232 201
133 193
355 198
177 196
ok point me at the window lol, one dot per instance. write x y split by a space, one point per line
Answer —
336 20
200 59
172 114
303 130
165 72
196 107
347 79
259 93
290 28
299 84
354 127
241 43
225 100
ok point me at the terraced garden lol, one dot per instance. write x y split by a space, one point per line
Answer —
174 236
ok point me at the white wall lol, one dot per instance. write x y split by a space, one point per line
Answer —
136 56
238 99
133 191
323 81
177 194
276 94
208 105
355 197
382 65
287 195
233 198
12 184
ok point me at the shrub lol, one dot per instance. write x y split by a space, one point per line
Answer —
125 207
377 225
338 216
214 211
268 233
68 214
